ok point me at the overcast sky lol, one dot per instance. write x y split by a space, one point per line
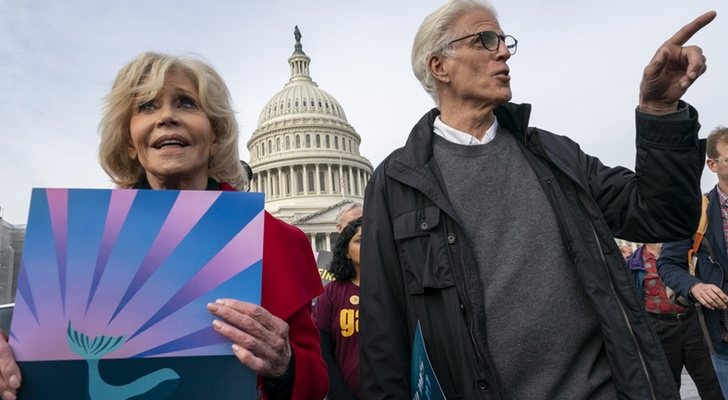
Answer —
579 63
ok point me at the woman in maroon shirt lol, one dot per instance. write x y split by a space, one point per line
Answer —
337 315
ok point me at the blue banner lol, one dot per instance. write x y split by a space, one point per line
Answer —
425 385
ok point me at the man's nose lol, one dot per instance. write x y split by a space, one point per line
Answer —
502 52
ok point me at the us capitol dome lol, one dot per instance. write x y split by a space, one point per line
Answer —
305 155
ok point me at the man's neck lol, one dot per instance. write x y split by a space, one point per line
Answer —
473 121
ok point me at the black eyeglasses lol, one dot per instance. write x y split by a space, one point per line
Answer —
491 40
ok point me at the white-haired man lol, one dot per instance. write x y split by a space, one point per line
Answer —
347 214
498 239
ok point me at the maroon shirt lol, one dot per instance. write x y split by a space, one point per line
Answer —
337 312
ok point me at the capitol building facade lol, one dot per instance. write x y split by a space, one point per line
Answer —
305 156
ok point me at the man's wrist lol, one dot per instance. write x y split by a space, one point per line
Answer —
654 108
690 291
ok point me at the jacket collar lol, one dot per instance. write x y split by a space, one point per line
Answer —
415 166
417 151
514 117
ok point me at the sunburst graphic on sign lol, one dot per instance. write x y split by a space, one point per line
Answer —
137 264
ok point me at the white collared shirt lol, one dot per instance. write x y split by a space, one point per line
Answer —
459 137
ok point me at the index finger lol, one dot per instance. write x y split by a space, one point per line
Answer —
687 31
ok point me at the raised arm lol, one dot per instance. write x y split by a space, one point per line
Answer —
673 68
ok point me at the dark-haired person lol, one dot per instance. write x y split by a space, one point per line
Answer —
248 174
337 315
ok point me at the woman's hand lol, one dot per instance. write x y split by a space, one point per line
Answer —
9 371
260 339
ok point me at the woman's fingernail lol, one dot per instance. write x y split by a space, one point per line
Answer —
212 307
8 396
217 324
14 381
236 348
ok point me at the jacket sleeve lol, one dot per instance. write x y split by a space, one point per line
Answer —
385 346
660 201
310 378
672 266
290 282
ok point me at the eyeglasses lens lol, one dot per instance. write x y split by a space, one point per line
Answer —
491 41
511 43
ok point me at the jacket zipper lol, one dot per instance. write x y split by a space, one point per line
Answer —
611 282
621 307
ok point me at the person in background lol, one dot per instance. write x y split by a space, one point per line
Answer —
626 249
347 214
248 174
709 285
337 315
677 327
498 238
169 124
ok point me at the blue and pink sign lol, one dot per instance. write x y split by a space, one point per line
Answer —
113 287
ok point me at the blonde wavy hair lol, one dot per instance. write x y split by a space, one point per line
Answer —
140 81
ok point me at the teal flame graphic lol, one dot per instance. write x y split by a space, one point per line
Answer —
93 349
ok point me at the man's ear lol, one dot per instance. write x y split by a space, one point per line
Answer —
711 165
438 68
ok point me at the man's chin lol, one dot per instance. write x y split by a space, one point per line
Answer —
508 96
504 99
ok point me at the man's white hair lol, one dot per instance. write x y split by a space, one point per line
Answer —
435 34
346 209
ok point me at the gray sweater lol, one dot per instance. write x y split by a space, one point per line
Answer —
542 332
